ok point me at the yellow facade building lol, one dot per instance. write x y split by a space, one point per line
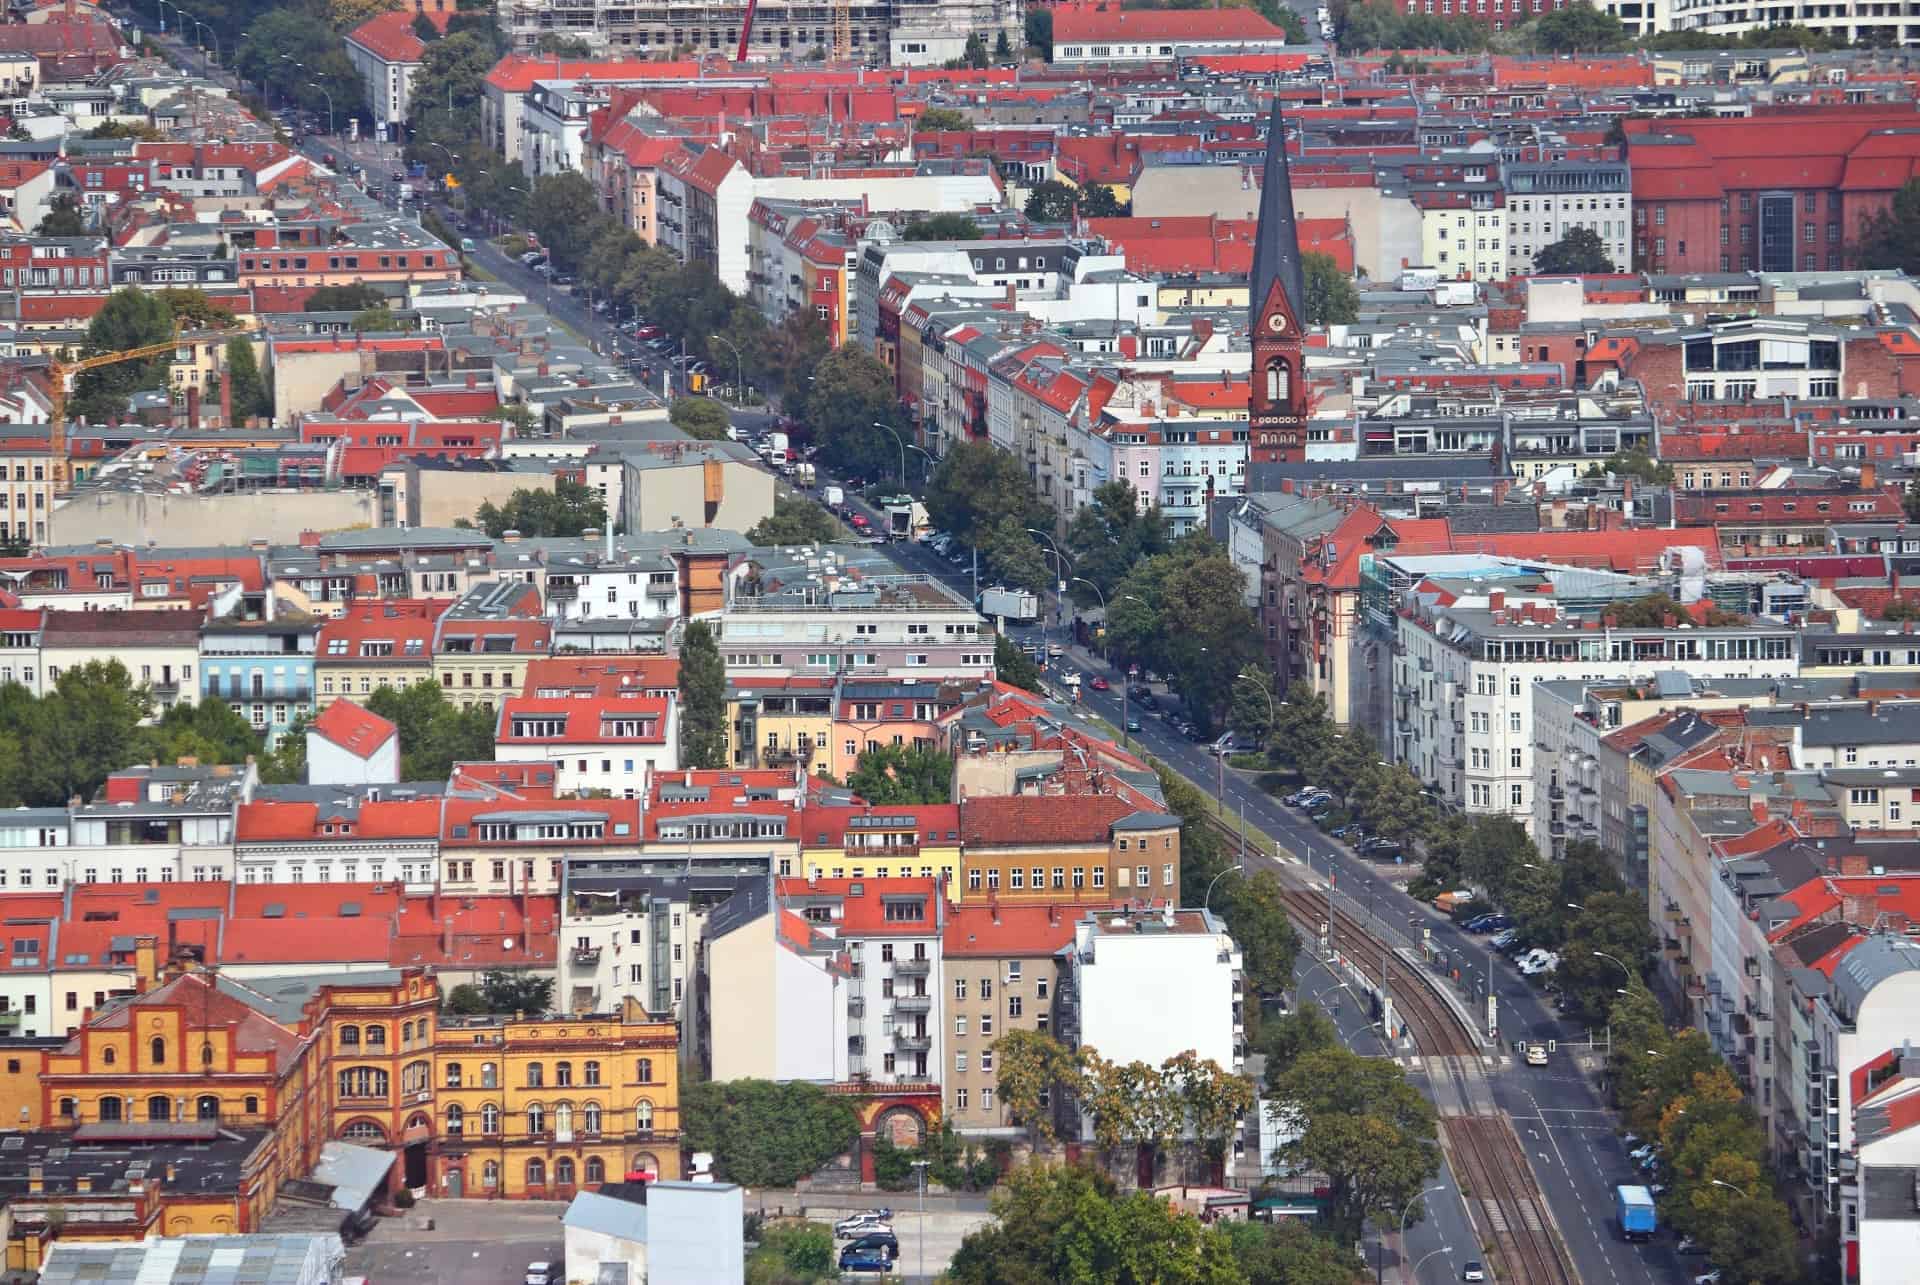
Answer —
883 843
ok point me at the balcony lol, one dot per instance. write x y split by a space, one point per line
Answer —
9 1019
856 1006
586 956
913 1003
912 967
905 1037
562 591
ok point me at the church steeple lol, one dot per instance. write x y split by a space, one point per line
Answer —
1276 300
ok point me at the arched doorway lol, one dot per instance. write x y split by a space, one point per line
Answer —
413 1162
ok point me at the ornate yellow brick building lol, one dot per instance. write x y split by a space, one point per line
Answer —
506 1106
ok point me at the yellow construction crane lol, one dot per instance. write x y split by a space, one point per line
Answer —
59 372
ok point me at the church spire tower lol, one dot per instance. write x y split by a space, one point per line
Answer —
1276 406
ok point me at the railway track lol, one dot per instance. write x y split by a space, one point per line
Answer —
1503 1201
1436 1028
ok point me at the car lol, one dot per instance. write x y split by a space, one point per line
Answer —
859 522
1536 1054
1505 938
1541 961
1133 722
398 176
1532 956
1489 923
1709 1277
1689 1246
467 246
648 332
1379 850
1137 693
1473 1271
851 1225
865 1260
540 1274
1056 650
1293 800
881 1239
1640 1153
1318 806
1099 684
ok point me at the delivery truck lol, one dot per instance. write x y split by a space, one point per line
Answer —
1009 604
906 517
833 497
1634 1212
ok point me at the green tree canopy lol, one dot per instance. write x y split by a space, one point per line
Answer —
1109 535
565 214
1578 28
941 227
568 509
301 32
795 520
703 699
64 217
1013 666
701 418
1038 30
1379 25
941 120
1182 612
247 390
851 392
764 1134
1068 1223
977 488
1362 1125
1579 251
1332 298
378 321
350 298
889 774
516 990
1891 238
434 732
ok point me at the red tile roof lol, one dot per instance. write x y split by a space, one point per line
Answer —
1134 25
389 36
1002 932
516 73
587 719
822 827
865 914
353 728
1023 820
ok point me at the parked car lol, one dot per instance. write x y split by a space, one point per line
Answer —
1543 961
1641 1153
1689 1246
1505 938
1490 923
859 1224
1709 1277
865 1260
1473 1271
882 1239
1378 849
1307 798
539 1274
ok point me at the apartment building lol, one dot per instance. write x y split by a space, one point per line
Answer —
1463 673
376 644
484 642
607 744
262 669
1003 967
1545 201
823 623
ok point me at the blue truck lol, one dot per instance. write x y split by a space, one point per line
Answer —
1634 1213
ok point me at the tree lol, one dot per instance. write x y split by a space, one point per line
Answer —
851 392
889 774
1182 612
1655 609
976 488
559 46
1258 920
564 213
700 418
1034 1070
352 298
1891 238
703 699
300 32
86 728
794 521
1210 1099
1378 25
1364 1127
1013 666
207 730
1097 201
1002 48
1580 251
434 732
130 318
568 509
1332 298
1111 533
1288 1251
790 1253
246 390
1635 464
423 29
1069 1223
1038 30
378 321
1291 1036
1578 28
1050 201
516 990
466 1000
764 1134
1015 558
940 120
64 217
941 227
975 54
138 129
1393 803
286 762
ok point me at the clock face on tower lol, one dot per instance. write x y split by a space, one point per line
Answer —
1276 323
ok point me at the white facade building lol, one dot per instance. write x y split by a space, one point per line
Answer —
1147 985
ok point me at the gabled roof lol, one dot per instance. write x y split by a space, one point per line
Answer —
353 728
1024 820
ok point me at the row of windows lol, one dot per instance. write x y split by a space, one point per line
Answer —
159 1108
536 1074
1016 878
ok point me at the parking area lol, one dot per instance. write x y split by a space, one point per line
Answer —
938 1237
472 1242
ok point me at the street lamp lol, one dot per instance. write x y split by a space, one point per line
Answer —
740 389
1404 1213
1601 954
212 35
1103 602
1741 1191
920 1172
1124 684
1444 1249
1206 902
451 155
314 84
